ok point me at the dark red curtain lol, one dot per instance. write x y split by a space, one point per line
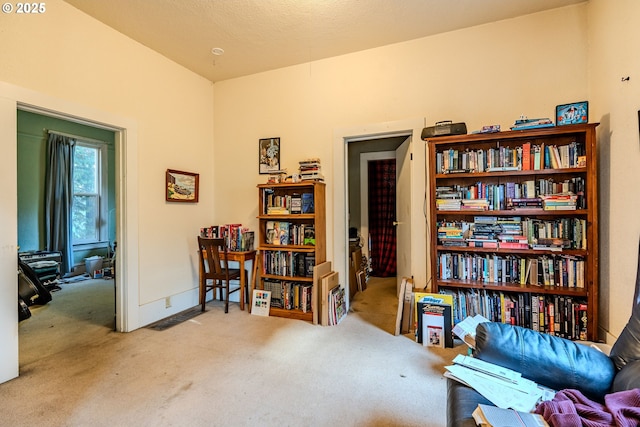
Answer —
382 214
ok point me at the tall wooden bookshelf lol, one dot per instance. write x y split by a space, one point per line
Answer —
497 278
291 241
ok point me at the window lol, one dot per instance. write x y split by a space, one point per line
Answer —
86 213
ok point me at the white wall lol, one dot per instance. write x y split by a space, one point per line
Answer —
70 61
614 42
488 74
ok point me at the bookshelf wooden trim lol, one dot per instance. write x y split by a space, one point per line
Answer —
467 249
583 133
291 314
535 172
287 278
513 287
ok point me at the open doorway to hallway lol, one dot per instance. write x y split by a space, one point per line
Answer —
372 202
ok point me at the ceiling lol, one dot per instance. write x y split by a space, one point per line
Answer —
261 35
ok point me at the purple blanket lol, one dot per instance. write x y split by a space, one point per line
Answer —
570 408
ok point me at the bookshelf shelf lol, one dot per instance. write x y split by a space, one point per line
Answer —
554 290
519 212
476 175
287 267
469 284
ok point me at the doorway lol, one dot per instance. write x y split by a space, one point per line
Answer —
93 230
372 201
13 98
416 210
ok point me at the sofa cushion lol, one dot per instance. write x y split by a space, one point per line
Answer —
627 378
548 360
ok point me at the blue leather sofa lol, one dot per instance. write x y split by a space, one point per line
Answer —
553 362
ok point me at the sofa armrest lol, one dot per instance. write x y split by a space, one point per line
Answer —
461 402
627 378
548 360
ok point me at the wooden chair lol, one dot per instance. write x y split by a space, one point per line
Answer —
214 268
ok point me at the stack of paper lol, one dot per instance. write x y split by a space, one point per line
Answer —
504 387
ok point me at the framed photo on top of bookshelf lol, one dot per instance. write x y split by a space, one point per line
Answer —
572 114
181 186
269 155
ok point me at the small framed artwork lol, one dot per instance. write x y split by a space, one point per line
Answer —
261 302
571 114
181 186
269 155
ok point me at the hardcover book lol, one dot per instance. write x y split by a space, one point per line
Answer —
307 203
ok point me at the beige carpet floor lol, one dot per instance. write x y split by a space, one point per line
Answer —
221 369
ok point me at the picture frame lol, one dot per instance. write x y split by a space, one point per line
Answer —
261 302
268 155
572 114
181 186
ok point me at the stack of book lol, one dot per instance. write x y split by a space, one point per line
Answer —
451 234
475 204
513 241
448 198
560 201
237 237
519 203
310 170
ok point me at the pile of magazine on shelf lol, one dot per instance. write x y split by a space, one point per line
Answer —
310 170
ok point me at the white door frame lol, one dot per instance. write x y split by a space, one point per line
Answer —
13 98
341 137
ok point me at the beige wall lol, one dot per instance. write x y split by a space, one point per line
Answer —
67 59
614 42
488 74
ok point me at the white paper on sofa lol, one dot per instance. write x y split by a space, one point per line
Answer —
505 388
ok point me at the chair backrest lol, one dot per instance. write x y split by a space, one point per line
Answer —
213 254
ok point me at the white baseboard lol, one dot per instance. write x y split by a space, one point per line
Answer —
160 309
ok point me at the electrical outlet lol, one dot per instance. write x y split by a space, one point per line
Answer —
167 302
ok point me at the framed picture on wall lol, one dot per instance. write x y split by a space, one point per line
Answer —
181 186
571 114
268 155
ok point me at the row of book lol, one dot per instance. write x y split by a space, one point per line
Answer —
285 204
290 295
237 237
546 270
530 194
288 263
514 233
511 158
559 315
287 233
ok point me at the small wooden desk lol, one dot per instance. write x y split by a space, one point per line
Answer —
241 258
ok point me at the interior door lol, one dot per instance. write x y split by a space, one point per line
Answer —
403 211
